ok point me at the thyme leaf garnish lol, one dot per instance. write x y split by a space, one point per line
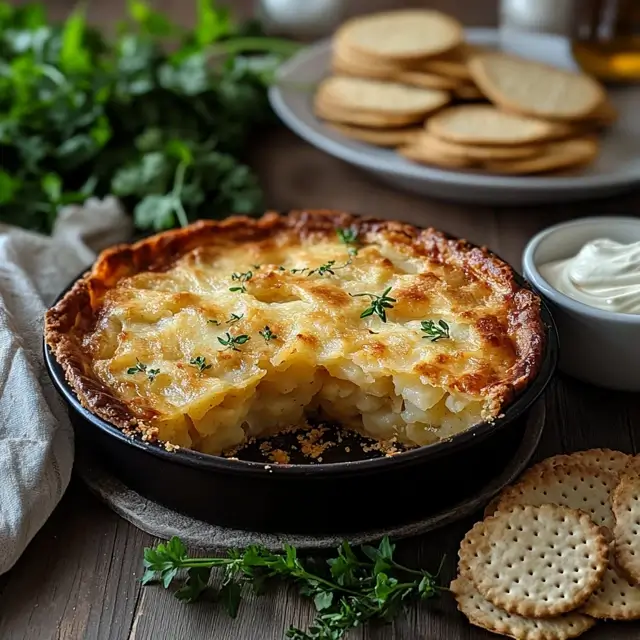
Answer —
267 334
435 331
234 318
142 368
348 237
232 342
200 363
379 304
242 278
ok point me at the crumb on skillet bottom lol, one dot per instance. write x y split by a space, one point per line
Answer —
212 335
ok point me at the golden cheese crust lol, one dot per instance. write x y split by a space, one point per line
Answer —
204 336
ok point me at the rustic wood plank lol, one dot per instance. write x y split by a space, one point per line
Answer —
77 578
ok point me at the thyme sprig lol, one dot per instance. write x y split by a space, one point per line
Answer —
235 318
379 304
232 342
242 278
349 590
349 237
328 267
142 368
267 334
435 331
200 363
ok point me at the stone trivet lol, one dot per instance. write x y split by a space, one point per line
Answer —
164 523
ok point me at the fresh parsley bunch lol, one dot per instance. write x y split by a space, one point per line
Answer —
348 590
157 116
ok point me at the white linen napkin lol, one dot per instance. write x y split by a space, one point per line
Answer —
36 438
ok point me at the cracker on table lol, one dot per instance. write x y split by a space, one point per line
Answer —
535 561
481 613
626 532
615 599
606 459
577 486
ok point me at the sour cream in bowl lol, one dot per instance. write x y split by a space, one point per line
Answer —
589 272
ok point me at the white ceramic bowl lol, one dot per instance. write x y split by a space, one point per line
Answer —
600 347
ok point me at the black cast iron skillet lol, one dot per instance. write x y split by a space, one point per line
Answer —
353 495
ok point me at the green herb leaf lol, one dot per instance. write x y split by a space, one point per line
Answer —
349 237
196 585
379 304
235 318
212 22
323 600
230 594
74 58
267 334
140 367
231 342
435 331
200 363
242 278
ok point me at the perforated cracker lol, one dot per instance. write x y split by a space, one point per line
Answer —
606 459
480 612
535 561
615 599
626 509
577 486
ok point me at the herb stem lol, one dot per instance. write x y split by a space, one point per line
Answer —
255 45
175 194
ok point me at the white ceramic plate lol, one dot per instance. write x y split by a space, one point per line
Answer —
616 170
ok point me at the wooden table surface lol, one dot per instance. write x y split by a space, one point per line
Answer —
79 577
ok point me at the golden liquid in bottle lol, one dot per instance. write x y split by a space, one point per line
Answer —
606 41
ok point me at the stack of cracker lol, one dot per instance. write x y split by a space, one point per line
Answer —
407 80
557 551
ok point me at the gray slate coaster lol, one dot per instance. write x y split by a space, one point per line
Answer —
165 523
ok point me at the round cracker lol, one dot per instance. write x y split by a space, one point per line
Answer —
427 80
615 599
362 118
626 532
482 124
379 137
606 459
457 69
341 66
481 613
535 89
476 152
576 486
422 155
401 35
562 154
375 96
535 561
360 66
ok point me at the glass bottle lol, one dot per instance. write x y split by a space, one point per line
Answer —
606 39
